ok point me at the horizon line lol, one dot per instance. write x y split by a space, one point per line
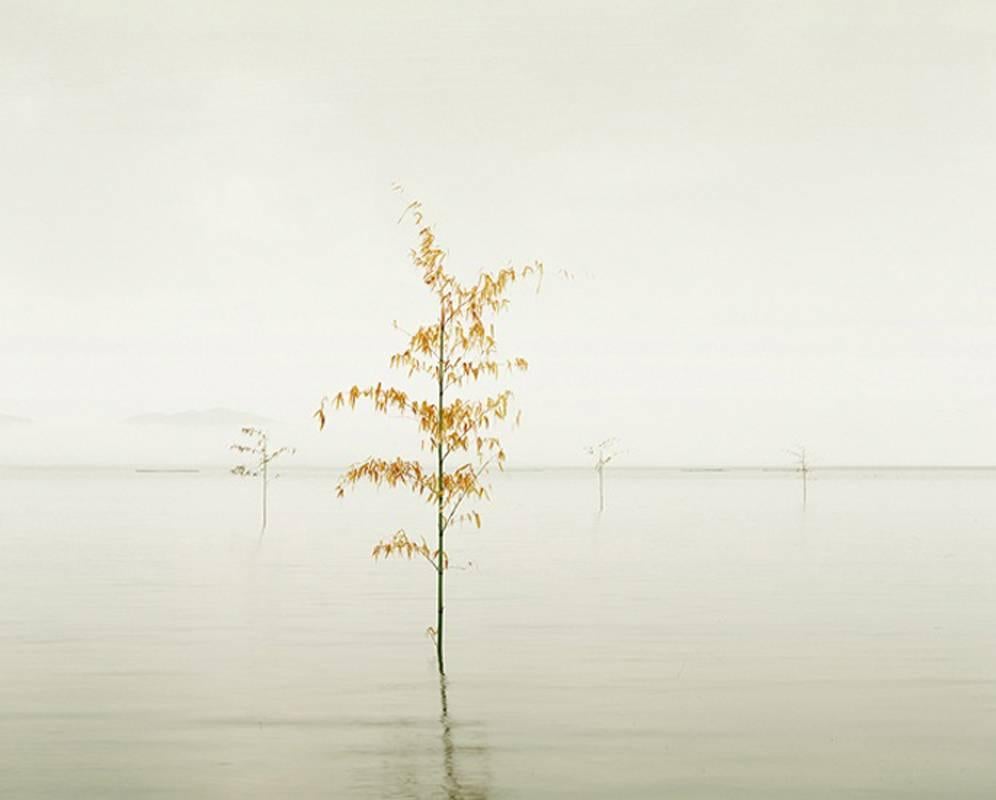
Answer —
690 468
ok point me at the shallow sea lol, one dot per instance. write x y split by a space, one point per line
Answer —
705 637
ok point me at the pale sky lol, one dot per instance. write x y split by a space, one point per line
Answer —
779 217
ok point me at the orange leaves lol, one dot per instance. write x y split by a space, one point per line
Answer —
459 301
401 545
458 347
408 361
488 293
470 516
394 473
463 482
487 444
383 399
424 342
455 485
475 369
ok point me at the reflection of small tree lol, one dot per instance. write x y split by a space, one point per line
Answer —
259 466
802 467
603 452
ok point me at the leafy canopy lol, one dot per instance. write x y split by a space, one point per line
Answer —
457 348
258 451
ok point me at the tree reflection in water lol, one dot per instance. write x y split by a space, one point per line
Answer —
454 787
411 762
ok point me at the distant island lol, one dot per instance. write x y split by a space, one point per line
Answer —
9 419
213 417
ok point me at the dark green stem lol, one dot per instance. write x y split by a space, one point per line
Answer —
440 524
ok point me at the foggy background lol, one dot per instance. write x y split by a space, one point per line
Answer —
778 217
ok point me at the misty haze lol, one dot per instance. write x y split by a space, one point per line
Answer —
466 400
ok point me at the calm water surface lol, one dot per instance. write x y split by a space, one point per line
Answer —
704 638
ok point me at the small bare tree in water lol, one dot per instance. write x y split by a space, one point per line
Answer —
802 467
603 452
261 456
456 348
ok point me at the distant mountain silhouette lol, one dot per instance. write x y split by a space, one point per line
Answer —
7 419
213 417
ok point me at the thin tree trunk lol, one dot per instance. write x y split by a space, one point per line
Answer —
601 488
265 486
262 528
440 525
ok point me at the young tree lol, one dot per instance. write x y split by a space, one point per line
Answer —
259 467
604 452
456 348
802 467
